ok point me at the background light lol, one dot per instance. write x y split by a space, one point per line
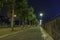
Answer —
14 15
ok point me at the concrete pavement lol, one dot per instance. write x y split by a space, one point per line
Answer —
45 35
34 33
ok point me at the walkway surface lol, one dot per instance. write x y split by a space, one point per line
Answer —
45 35
35 33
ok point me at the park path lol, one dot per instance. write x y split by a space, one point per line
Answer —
45 35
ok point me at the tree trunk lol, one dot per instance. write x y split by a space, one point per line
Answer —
12 19
25 22
19 22
30 23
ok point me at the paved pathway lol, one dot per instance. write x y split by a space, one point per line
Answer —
30 34
45 35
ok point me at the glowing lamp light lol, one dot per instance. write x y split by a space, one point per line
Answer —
41 14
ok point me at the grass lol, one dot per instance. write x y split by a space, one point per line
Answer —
4 31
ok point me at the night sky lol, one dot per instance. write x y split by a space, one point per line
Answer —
50 8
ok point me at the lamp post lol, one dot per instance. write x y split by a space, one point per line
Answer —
41 15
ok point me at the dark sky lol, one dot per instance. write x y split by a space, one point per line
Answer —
50 8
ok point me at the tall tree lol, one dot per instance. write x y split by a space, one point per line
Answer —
21 9
30 14
0 6
11 5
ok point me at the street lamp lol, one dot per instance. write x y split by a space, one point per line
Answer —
41 15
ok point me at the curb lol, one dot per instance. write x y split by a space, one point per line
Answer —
8 34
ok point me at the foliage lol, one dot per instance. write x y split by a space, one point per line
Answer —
21 9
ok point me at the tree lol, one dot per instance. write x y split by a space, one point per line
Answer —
24 12
30 14
32 17
36 22
11 6
21 10
0 7
17 7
